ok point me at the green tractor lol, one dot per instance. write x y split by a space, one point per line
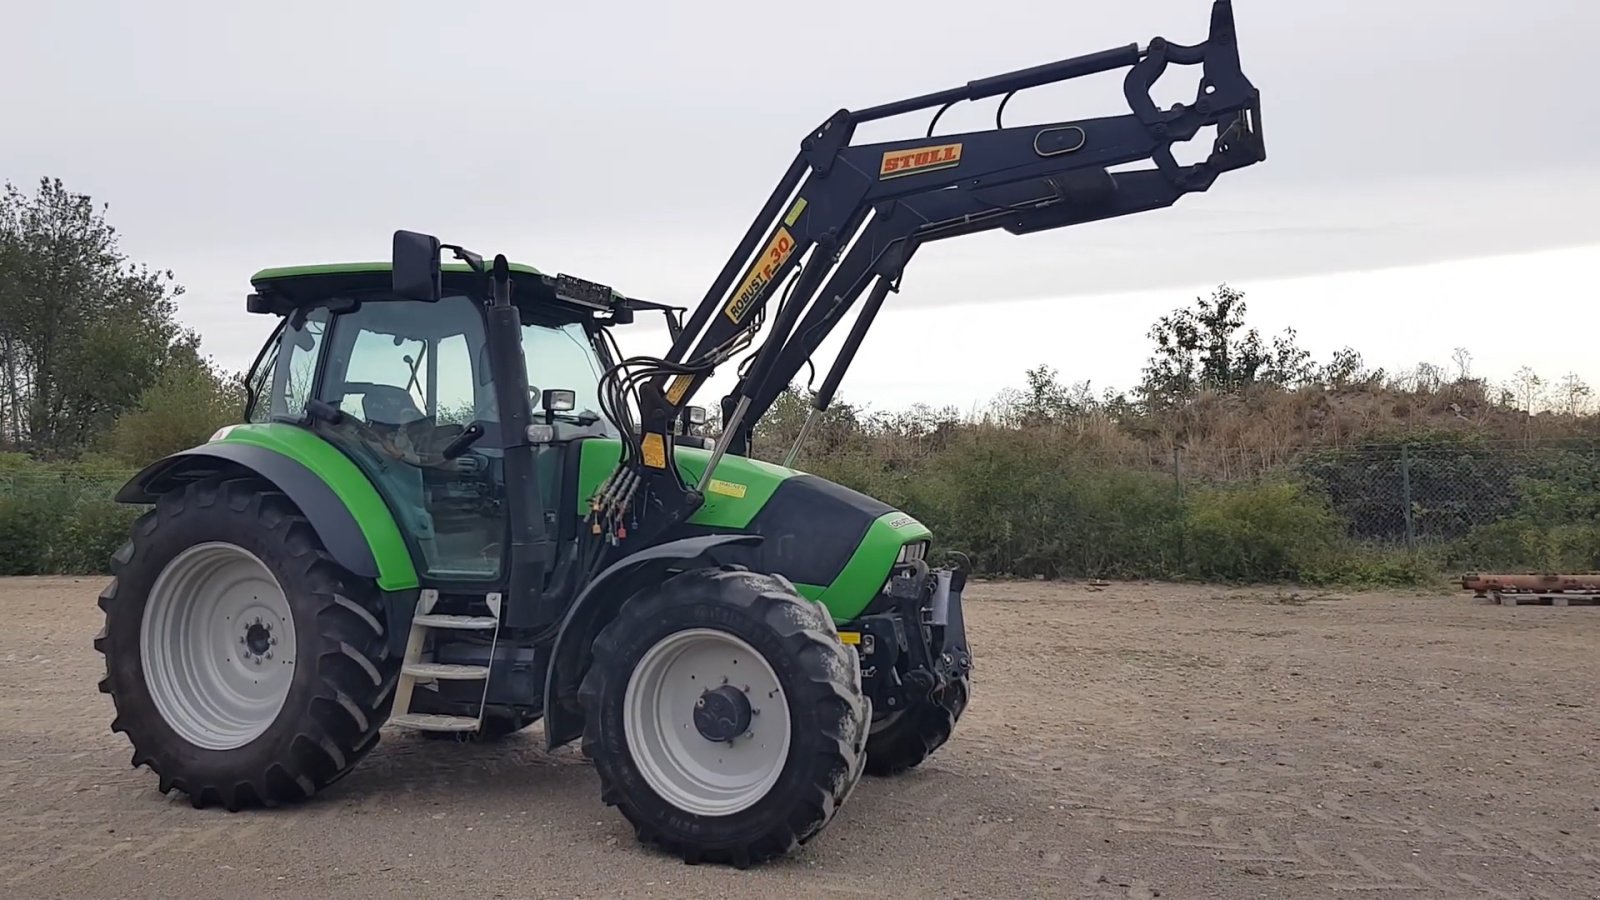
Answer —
453 507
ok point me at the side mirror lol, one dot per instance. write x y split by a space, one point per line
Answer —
414 267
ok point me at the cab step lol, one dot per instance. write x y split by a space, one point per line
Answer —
416 668
465 623
432 722
444 671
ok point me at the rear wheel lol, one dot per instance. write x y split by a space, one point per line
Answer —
724 717
245 665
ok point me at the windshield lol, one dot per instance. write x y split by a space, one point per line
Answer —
562 357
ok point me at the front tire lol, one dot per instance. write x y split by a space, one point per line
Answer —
245 665
724 717
901 741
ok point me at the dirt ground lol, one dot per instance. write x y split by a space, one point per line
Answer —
1132 741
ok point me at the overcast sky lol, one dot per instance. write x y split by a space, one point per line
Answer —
1430 184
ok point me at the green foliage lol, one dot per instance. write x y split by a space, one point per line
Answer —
92 533
1209 347
59 518
188 403
28 525
1269 531
83 330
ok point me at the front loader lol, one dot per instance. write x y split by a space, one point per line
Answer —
452 507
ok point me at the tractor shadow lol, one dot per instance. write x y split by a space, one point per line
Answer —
407 766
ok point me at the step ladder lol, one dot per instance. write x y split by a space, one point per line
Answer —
415 670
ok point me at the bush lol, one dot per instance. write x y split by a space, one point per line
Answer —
1017 503
1267 531
94 532
29 524
56 519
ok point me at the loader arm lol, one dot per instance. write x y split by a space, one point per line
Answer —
843 215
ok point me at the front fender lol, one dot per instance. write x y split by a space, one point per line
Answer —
595 606
369 545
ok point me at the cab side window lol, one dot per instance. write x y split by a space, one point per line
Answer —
297 365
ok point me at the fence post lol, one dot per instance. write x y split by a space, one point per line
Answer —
1183 520
1405 496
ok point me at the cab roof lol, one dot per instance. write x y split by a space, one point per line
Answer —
281 290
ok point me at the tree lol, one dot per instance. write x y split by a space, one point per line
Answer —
1528 389
83 331
1208 347
1574 394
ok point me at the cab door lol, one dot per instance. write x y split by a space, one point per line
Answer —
409 377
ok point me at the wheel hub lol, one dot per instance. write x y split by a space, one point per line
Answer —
258 640
722 714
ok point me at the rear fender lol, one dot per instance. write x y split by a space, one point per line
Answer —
365 546
596 606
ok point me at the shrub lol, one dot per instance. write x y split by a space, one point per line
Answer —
90 535
1263 531
29 523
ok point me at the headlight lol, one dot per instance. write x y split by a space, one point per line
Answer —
910 552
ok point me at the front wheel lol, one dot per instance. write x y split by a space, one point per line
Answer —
724 717
903 740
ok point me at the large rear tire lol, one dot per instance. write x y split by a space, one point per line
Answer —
724 717
901 741
246 666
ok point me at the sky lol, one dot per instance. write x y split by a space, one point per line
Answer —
1431 165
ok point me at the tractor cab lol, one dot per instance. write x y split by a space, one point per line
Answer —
406 389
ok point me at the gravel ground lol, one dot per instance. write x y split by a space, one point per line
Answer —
1131 741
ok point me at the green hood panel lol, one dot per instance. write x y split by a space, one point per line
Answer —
395 569
863 576
836 545
742 486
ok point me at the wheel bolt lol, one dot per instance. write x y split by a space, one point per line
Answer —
269 654
273 642
242 640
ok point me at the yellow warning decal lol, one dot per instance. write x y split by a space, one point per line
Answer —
897 163
778 251
726 488
849 637
678 388
655 451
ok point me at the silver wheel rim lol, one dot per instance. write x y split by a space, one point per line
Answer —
684 768
217 644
